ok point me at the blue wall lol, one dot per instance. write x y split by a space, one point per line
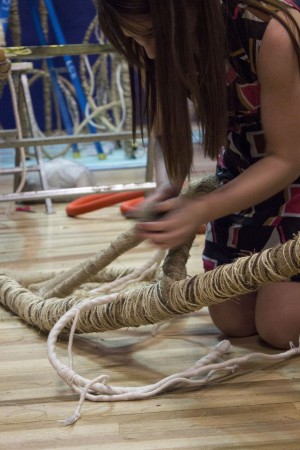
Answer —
74 17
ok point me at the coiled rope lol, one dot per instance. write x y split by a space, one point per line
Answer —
50 303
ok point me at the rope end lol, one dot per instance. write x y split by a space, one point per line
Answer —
70 420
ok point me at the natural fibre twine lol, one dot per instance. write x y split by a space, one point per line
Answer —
41 303
49 302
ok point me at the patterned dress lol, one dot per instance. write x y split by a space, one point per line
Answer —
277 219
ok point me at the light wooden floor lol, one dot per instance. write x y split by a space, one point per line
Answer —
257 407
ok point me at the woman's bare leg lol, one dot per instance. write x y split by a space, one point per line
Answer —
273 313
236 317
277 314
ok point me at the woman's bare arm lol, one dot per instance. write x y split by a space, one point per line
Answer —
278 73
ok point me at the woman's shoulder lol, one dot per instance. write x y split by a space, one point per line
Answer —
277 46
247 27
236 12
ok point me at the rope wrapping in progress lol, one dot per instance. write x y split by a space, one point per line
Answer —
171 296
50 302
41 304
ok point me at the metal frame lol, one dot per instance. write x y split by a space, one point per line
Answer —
50 51
12 142
71 192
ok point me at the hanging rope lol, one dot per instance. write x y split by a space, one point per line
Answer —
6 76
105 84
5 66
15 23
46 80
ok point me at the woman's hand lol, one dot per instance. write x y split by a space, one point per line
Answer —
179 221
146 210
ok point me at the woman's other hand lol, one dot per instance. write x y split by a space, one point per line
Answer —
178 222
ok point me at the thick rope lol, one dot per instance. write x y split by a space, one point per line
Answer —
6 75
170 295
64 284
46 80
99 389
162 300
15 23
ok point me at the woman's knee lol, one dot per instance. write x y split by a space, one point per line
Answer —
277 315
277 335
235 317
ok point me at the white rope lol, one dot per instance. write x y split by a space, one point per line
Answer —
121 96
99 390
19 131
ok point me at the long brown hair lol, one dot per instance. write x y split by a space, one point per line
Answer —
180 69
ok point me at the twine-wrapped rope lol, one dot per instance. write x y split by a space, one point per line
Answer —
27 296
42 303
169 294
168 297
5 66
65 283
158 301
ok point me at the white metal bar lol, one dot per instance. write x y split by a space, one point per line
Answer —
56 140
56 193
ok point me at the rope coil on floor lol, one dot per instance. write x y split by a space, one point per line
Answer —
50 303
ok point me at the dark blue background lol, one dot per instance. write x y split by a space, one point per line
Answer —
74 17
